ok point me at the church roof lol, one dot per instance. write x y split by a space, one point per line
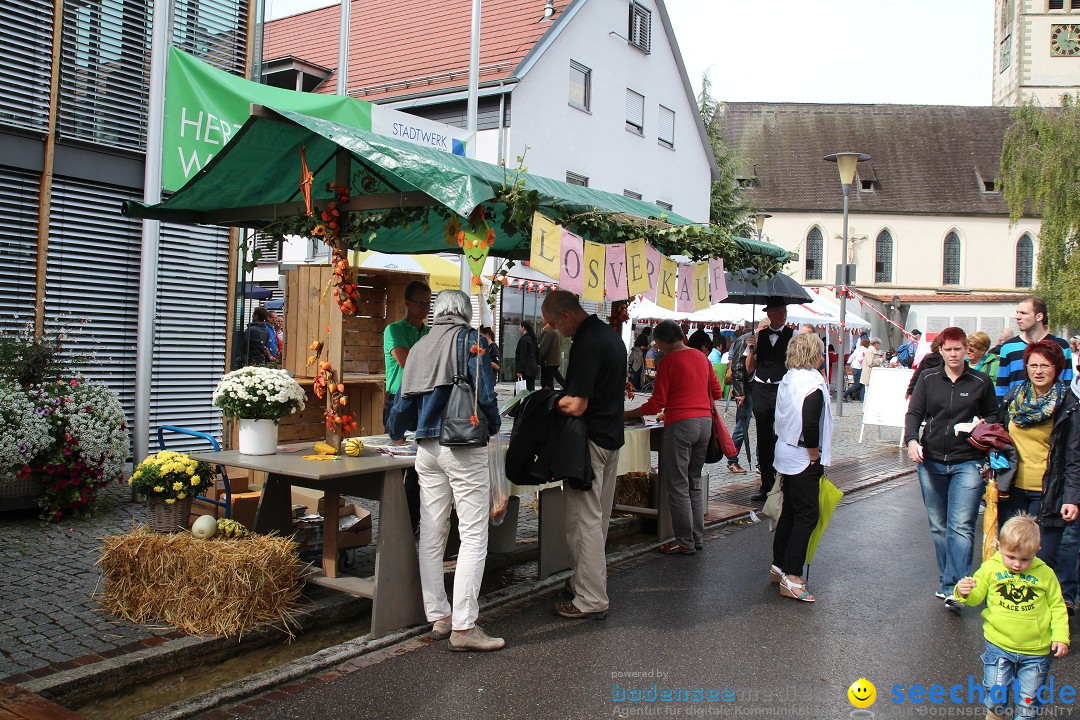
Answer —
925 159
408 46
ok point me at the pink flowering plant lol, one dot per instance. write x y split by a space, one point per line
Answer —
67 435
90 445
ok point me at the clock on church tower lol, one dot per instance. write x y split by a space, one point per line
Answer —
1065 40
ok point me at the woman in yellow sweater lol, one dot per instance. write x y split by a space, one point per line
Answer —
1043 419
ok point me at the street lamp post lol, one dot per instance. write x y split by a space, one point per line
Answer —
845 163
759 222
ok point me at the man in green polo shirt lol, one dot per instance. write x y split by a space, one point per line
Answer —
398 337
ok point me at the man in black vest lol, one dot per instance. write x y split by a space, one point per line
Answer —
766 359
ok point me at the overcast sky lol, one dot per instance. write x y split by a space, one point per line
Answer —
934 52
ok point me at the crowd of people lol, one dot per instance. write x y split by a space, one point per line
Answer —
778 376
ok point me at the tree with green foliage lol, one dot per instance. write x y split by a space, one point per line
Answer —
1040 173
728 208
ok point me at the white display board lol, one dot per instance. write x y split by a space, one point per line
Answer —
885 403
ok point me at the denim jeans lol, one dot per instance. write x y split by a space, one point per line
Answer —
743 413
951 493
1002 668
856 389
1060 547
1018 501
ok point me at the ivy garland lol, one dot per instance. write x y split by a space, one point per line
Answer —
358 230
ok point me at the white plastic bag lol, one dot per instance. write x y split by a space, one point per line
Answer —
500 486
519 387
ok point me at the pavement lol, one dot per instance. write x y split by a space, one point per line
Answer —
58 643
711 623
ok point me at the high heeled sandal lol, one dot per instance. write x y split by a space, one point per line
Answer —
795 590
775 573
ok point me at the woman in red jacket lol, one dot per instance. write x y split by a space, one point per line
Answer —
685 389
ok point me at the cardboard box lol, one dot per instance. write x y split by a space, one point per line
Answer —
244 506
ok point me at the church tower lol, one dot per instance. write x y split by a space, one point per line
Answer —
1037 50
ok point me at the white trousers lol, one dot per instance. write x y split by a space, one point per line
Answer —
459 476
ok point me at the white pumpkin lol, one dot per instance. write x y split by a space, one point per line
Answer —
205 527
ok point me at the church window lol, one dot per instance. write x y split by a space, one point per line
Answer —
814 252
951 270
1025 261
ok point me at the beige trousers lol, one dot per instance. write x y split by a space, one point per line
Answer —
587 515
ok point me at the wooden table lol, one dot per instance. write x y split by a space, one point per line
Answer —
395 588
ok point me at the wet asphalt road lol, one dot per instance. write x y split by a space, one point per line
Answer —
709 621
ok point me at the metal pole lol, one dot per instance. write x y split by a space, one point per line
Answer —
474 66
151 236
474 79
343 48
841 339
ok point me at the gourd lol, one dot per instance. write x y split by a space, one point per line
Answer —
230 529
205 527
354 447
322 448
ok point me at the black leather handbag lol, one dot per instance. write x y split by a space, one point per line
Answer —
463 425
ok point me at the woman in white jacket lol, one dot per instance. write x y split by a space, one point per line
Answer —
803 448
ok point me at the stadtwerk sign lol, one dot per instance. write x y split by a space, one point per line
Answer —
205 107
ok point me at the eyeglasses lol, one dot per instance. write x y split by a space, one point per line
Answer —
1038 368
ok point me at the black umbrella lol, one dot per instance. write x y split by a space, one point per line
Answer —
748 287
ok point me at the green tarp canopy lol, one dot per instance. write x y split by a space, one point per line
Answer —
255 179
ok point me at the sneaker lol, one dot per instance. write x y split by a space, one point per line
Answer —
952 603
440 629
570 610
940 594
475 639
674 548
736 468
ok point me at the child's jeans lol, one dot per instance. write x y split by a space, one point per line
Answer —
1001 668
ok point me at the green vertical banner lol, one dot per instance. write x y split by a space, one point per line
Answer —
205 107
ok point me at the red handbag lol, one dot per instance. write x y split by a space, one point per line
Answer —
721 446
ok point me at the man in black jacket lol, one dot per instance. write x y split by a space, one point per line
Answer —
766 361
595 384
947 463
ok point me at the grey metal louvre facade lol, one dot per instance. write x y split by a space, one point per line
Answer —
91 284
92 281
189 337
26 29
18 247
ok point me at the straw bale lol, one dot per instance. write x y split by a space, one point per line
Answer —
202 587
634 489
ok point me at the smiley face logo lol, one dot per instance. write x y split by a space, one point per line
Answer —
862 693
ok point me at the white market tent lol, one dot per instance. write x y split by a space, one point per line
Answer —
820 313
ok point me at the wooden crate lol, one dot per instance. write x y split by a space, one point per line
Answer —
354 344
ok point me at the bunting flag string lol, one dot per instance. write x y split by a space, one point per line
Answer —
618 271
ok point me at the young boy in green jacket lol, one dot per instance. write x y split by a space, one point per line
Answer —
1024 620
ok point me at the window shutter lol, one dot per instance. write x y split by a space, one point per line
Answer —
26 30
665 132
635 110
104 71
641 27
18 247
215 31
93 273
190 331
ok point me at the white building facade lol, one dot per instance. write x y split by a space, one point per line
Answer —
1036 50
